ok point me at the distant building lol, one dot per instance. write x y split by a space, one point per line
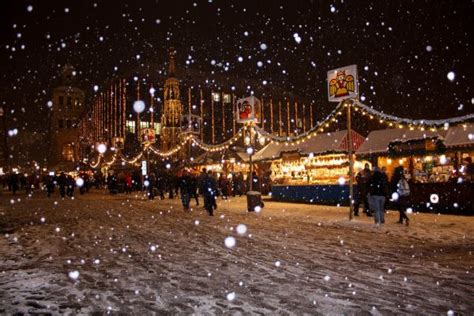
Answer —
67 111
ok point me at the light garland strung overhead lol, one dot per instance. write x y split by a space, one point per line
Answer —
319 127
97 163
390 120
400 122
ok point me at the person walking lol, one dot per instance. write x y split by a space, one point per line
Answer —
200 181
151 186
185 189
223 186
209 187
128 183
194 188
70 186
13 182
378 191
49 185
62 183
400 193
362 180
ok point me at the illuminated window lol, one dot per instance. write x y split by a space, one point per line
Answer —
157 128
68 152
216 96
130 126
226 98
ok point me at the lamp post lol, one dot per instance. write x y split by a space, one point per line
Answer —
249 141
5 140
250 151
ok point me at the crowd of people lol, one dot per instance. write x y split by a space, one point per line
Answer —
188 184
66 183
374 189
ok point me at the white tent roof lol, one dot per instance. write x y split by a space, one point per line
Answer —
460 135
269 152
319 144
378 141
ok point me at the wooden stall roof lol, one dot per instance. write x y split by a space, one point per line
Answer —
334 142
460 136
378 141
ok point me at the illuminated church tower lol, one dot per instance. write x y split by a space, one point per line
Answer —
172 108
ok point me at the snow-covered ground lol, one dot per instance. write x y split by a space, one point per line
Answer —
128 254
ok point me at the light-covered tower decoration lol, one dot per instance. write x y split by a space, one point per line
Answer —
172 108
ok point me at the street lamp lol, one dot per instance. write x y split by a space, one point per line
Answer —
5 140
101 148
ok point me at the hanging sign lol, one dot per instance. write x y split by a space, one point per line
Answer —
191 123
342 83
144 168
248 110
147 136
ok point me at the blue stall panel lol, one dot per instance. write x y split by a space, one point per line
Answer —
314 194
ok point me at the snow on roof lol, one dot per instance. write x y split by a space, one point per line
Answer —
378 141
270 151
460 135
319 144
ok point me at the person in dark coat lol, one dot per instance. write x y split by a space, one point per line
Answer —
151 186
194 188
70 186
112 184
161 184
238 184
83 187
224 186
62 183
49 185
400 190
200 181
362 180
13 182
209 187
185 189
255 182
378 189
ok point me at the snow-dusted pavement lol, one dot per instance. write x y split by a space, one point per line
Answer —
127 254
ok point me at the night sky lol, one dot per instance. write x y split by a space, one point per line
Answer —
404 49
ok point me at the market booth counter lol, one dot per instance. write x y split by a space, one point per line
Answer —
434 164
314 171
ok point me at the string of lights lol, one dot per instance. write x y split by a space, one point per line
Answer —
320 127
93 166
399 122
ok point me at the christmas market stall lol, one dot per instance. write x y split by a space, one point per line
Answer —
435 162
314 171
227 162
